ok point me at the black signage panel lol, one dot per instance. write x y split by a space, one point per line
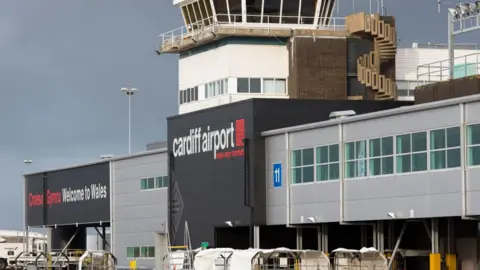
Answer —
70 196
207 170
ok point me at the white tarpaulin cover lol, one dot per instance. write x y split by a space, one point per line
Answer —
242 259
205 259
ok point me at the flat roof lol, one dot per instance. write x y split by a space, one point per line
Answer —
373 115
135 155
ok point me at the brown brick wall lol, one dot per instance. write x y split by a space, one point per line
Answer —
318 68
448 89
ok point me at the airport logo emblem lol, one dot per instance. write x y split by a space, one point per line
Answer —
224 143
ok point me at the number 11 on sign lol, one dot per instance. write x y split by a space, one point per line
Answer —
277 175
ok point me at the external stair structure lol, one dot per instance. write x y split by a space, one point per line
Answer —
374 69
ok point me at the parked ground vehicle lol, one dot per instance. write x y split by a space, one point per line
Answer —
12 244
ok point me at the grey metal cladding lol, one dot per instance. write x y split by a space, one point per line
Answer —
138 215
409 195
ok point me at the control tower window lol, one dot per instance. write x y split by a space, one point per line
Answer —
254 11
271 11
197 14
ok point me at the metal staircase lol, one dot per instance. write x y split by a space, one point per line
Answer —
371 70
179 257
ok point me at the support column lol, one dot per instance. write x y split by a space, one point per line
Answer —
299 239
26 241
380 244
451 257
363 236
104 239
256 237
435 257
322 238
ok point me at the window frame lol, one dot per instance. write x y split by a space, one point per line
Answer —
328 163
291 169
275 80
381 156
470 146
345 161
164 179
411 153
446 148
216 88
133 251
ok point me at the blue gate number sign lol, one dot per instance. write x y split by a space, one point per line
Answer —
277 175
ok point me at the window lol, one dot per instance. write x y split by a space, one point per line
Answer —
147 252
411 154
355 159
188 95
445 148
154 182
274 86
473 145
380 155
141 252
161 181
249 85
216 88
327 162
302 170
133 252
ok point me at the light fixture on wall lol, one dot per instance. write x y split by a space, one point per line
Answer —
391 215
311 219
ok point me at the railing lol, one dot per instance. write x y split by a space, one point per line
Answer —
466 65
178 36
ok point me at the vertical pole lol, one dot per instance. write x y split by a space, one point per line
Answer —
451 46
129 122
104 239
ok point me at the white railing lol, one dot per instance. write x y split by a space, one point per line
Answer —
178 36
465 65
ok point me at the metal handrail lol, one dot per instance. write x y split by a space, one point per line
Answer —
177 36
440 70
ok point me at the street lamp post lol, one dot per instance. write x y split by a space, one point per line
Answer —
25 235
129 91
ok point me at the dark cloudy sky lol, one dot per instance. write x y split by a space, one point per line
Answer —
62 64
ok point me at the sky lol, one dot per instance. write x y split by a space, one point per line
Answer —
62 64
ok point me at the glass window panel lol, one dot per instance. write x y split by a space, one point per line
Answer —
453 158
158 182
437 160
221 87
453 137
296 175
151 183
151 252
361 168
375 166
473 155
360 149
297 158
136 252
419 162
473 134
130 253
375 147
419 141
333 171
143 184
307 174
242 85
307 156
196 92
437 139
226 86
180 98
403 163
350 151
255 85
144 252
403 144
322 172
166 182
387 165
322 154
350 167
333 153
387 146
281 86
269 86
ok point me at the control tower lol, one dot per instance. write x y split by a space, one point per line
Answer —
232 50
